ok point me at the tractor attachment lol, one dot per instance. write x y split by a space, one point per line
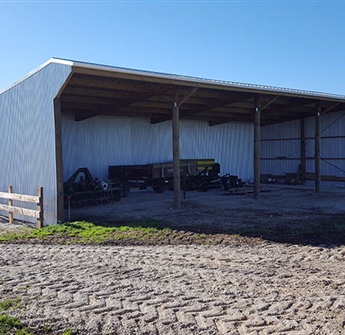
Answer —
82 190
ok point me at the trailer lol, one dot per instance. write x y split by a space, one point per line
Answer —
194 173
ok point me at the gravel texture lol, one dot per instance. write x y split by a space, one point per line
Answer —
263 287
266 289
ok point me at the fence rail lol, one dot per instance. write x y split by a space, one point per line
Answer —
11 209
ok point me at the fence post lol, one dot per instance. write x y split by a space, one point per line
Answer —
10 203
40 208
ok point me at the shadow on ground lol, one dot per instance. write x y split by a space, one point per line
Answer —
325 231
283 214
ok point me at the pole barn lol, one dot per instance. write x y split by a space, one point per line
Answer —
68 114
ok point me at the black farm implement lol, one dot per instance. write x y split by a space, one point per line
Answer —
82 190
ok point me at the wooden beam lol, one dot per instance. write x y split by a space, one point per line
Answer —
188 95
143 77
95 92
303 151
20 210
80 115
119 105
104 83
84 116
134 98
85 85
19 197
40 217
212 105
270 102
232 118
92 99
63 87
59 161
10 203
231 112
10 208
176 152
317 148
146 77
278 110
332 107
257 148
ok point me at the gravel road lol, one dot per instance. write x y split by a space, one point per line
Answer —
267 288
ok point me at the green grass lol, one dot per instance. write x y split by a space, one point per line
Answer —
145 231
10 325
86 232
8 304
152 232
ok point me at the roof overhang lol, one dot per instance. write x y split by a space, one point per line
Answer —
94 90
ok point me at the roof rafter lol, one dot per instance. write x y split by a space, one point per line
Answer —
217 103
99 90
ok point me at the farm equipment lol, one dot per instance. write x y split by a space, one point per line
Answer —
205 179
199 174
82 190
231 182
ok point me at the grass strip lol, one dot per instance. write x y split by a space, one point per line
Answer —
81 232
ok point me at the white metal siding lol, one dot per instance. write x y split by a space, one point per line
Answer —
332 146
99 142
27 131
230 144
280 141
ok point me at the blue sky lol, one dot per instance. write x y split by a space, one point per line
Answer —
293 44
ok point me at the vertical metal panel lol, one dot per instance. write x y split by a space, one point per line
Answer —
27 131
102 141
281 130
99 142
280 148
332 146
230 144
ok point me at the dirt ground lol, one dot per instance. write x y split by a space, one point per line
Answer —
282 278
292 214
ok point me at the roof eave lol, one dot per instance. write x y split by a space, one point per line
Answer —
80 67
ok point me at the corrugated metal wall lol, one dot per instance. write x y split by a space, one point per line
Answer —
27 129
281 147
99 142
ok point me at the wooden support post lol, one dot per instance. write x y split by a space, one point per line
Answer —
59 163
317 149
303 163
257 149
40 208
176 152
10 203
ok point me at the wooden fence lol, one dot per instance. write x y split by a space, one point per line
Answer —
11 209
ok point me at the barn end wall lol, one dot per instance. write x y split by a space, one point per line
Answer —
27 128
280 147
99 142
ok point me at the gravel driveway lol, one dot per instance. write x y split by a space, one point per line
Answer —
253 289
256 288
